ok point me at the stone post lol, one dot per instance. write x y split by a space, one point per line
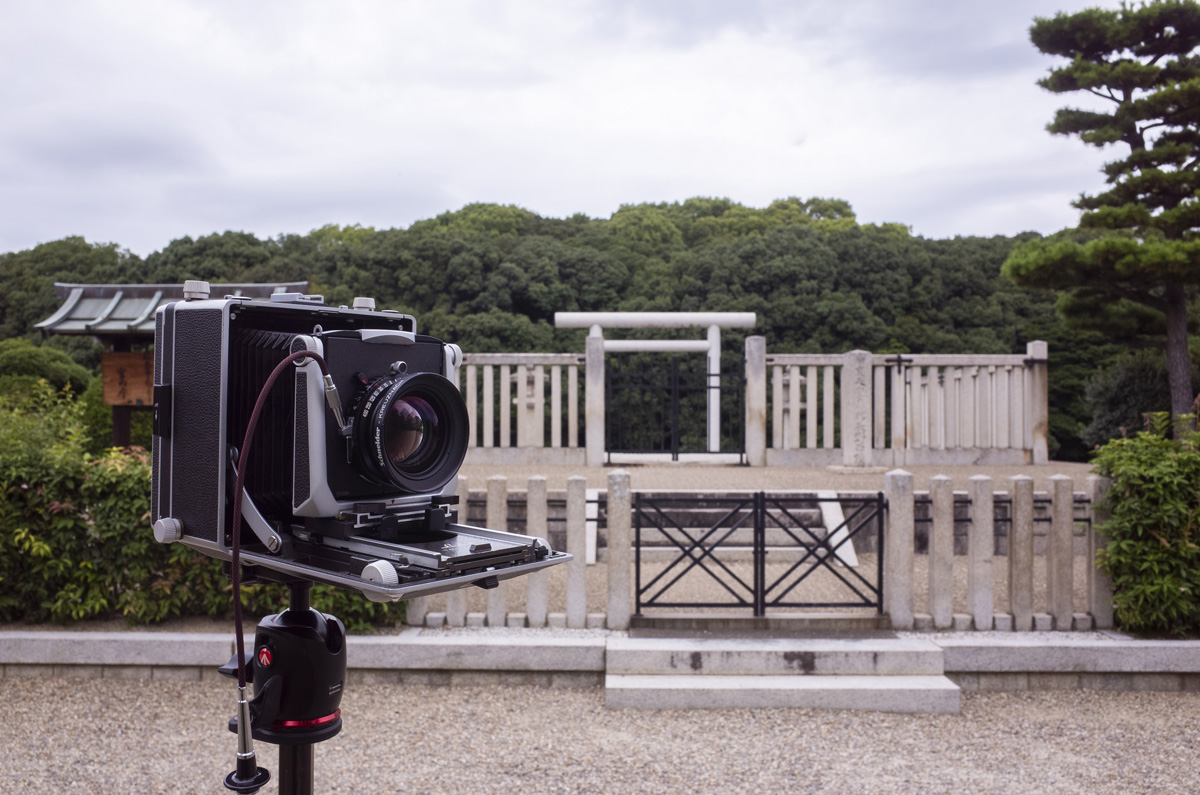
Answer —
472 396
898 549
1020 554
415 610
981 544
756 401
857 409
497 519
713 382
456 601
1060 549
594 399
536 599
620 550
1099 582
941 552
577 546
1039 399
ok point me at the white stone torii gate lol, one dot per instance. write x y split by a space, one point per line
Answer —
597 346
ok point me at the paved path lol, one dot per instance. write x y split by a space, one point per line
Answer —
114 736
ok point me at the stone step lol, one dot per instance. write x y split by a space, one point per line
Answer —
773 657
689 623
875 693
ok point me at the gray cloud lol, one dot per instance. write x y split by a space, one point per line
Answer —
949 39
141 123
82 149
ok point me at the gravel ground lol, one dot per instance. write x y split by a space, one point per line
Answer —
115 736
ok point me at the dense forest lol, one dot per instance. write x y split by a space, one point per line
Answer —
490 278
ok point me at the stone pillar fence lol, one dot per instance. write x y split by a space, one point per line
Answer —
1029 556
1058 525
857 409
862 409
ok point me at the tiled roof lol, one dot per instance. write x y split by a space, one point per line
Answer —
120 310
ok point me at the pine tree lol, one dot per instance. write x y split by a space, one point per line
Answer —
1139 241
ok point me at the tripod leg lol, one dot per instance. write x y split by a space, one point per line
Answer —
296 769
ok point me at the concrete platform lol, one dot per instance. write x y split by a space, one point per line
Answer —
774 657
935 694
1062 653
865 621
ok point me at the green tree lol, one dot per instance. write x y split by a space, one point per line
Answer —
27 278
1145 249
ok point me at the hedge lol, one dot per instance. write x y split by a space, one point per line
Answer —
75 538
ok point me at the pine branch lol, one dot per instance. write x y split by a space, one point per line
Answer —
1109 95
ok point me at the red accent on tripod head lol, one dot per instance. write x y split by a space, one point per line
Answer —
306 724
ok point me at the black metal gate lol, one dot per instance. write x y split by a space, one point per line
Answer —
656 403
714 552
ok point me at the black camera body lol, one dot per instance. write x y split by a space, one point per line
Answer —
351 480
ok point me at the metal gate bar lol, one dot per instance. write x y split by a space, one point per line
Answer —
698 549
829 559
646 412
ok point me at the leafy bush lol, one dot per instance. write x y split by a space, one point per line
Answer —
1153 554
98 421
75 541
18 357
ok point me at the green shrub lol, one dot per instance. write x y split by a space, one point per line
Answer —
75 539
98 421
18 357
1154 529
43 526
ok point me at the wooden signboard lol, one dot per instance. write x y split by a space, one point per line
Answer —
128 378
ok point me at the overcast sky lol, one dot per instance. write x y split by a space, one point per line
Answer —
140 121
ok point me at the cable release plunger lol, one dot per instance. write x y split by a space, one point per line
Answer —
247 777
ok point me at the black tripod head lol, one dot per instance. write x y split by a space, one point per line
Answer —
298 668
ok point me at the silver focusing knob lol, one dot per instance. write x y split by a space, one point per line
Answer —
196 290
381 572
167 530
362 302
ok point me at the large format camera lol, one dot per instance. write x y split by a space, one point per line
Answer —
351 479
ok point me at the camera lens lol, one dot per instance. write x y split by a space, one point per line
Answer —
410 431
